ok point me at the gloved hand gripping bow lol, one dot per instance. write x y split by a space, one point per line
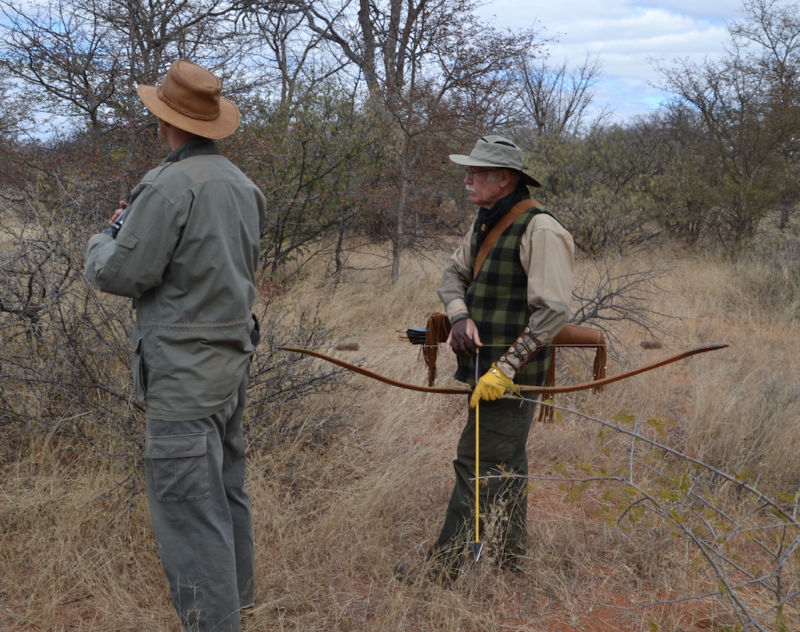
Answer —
493 384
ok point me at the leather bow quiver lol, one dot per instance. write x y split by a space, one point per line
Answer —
438 329
576 336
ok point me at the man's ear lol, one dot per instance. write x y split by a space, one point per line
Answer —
505 177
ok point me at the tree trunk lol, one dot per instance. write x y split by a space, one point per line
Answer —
339 259
399 235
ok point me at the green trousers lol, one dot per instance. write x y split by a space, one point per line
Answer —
504 427
201 515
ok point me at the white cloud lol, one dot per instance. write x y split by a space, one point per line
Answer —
626 36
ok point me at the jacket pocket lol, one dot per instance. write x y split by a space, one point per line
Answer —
255 332
180 467
139 370
126 240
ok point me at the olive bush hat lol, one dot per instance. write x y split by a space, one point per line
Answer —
497 152
188 98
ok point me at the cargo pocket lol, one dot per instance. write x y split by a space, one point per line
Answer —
139 371
497 446
180 467
499 439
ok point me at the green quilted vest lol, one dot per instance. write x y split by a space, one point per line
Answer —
497 301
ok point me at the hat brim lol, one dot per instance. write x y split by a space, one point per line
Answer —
467 161
221 127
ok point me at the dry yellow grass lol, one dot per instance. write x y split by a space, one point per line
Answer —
333 518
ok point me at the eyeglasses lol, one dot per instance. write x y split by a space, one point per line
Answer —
471 172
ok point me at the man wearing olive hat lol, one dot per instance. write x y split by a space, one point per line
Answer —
506 290
186 250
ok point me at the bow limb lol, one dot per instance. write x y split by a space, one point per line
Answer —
378 376
554 390
621 376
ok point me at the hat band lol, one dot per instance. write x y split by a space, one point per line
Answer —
184 111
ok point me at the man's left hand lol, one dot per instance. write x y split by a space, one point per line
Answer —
490 387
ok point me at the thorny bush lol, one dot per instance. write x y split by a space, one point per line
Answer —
746 539
65 360
771 272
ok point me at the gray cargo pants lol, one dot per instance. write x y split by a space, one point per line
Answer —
201 515
504 428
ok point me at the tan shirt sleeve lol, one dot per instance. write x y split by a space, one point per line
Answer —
547 254
456 278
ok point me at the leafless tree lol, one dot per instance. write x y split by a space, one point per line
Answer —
431 69
64 54
748 104
88 57
15 116
557 97
773 29
613 293
300 58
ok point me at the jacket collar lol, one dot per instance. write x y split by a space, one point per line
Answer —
194 147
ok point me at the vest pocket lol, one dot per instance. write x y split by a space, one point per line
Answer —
180 467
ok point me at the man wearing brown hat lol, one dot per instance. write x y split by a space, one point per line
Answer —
186 250
506 290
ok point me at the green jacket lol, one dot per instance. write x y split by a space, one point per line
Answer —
187 254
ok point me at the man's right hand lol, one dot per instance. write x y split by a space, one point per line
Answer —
463 338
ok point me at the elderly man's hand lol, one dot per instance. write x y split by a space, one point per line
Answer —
490 387
463 338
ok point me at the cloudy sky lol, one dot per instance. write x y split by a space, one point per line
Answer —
625 34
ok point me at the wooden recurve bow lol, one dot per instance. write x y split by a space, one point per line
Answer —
451 390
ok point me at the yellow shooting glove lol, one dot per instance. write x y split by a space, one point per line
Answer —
490 387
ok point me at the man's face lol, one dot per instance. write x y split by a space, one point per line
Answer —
484 185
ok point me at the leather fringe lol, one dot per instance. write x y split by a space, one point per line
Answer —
575 336
438 330
570 336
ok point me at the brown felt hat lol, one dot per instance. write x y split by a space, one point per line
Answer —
497 152
188 98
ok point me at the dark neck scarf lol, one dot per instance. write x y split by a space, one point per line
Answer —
487 218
